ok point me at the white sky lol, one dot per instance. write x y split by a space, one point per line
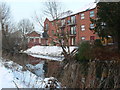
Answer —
25 8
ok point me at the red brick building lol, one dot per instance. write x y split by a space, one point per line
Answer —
34 38
78 25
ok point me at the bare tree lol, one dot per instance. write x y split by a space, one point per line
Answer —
54 10
4 15
7 27
39 19
25 26
4 21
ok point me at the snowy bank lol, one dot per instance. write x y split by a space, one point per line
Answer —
36 69
13 76
47 52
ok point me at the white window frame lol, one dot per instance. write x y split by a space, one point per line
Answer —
73 19
83 38
73 41
46 26
73 30
82 16
53 32
52 23
92 26
63 22
92 14
82 27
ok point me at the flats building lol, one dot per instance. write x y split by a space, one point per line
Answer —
78 25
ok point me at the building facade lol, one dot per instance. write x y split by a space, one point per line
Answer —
34 38
78 25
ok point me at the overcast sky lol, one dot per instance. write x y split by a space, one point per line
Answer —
25 8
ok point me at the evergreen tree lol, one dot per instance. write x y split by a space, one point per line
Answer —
108 20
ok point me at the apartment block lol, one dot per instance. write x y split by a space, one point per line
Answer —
78 25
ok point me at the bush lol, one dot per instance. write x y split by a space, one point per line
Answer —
98 43
84 52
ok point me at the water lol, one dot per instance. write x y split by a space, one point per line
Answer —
50 68
40 67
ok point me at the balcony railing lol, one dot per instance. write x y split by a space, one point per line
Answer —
62 26
72 23
73 34
46 29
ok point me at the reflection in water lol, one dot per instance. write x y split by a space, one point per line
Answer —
37 69
51 68
40 67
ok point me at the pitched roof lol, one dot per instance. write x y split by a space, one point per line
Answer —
32 32
89 6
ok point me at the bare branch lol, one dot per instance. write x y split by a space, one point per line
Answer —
53 9
26 26
39 20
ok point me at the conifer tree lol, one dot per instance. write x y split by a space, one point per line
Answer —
108 21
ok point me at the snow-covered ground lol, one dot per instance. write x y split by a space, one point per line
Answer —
47 52
12 75
37 69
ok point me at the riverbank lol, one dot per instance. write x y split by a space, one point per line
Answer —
14 76
101 72
91 74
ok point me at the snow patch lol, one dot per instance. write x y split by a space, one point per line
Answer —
37 69
48 52
13 76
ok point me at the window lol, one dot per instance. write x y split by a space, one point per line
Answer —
92 37
73 30
46 26
68 22
63 22
82 16
83 38
52 31
52 23
46 42
57 31
73 41
91 26
72 19
82 27
31 39
103 25
91 13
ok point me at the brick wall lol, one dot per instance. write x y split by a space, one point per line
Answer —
87 33
33 39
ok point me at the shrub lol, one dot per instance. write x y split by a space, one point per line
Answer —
98 43
84 52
